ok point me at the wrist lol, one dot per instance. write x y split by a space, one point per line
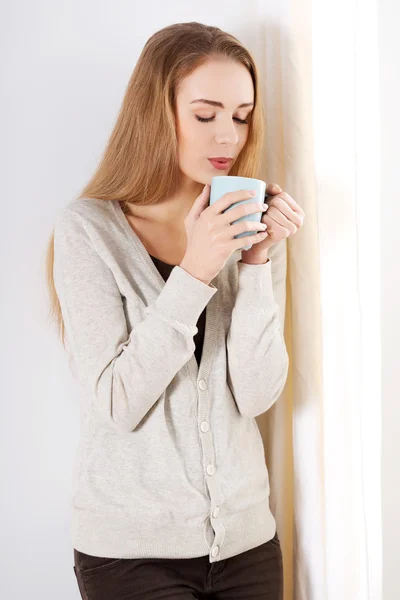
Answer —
191 272
259 259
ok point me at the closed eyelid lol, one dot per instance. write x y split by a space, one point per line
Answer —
246 116
209 119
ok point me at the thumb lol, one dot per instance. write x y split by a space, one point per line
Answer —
200 203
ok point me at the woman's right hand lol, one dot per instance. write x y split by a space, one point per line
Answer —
210 235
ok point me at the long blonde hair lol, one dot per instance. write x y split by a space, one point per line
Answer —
139 164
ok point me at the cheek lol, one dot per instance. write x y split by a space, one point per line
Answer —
244 135
189 151
189 143
187 127
242 142
193 140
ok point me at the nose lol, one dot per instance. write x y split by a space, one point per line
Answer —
227 134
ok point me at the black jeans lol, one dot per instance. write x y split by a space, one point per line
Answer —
253 575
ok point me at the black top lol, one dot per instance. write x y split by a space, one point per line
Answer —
165 270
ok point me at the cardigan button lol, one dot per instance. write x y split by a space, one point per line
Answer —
202 384
216 512
204 426
215 551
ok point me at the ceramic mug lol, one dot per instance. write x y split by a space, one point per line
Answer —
221 184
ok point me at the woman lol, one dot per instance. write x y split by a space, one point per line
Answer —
177 348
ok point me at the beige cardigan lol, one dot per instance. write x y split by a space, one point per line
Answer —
170 462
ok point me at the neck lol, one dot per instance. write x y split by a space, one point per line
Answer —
170 212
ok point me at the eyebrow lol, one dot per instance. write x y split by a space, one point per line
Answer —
215 103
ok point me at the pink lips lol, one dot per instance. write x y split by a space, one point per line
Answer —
221 165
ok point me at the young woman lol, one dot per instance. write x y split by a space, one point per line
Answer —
174 338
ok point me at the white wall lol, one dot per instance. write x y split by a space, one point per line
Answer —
389 16
65 67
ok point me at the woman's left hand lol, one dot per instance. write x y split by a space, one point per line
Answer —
283 218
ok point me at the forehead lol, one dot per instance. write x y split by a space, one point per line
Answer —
221 80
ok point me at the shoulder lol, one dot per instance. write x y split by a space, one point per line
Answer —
84 215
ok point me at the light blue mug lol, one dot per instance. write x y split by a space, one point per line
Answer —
221 184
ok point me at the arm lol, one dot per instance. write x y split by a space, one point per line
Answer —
257 358
123 373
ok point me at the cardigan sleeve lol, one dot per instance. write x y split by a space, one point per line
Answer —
115 367
256 352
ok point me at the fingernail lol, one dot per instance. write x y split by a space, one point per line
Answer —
253 192
265 206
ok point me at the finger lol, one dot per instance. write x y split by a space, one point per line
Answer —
200 203
273 188
276 217
293 205
230 198
237 212
283 206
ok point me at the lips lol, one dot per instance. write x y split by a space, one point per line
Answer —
220 163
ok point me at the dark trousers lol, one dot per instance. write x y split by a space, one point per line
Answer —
253 575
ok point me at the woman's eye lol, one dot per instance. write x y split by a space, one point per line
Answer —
203 120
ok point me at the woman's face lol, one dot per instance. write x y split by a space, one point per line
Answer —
224 134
